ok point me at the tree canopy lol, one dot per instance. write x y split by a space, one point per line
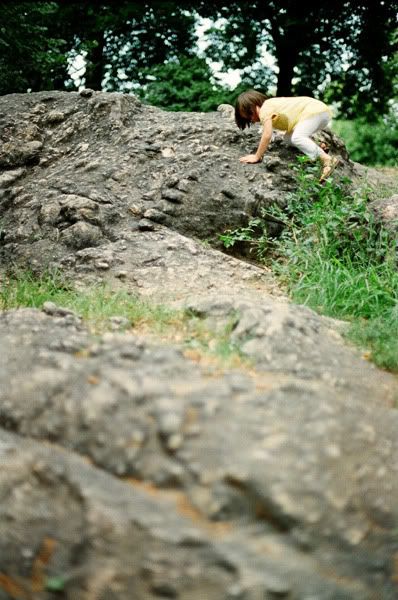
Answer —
32 55
342 51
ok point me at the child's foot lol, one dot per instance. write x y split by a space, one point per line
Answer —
328 168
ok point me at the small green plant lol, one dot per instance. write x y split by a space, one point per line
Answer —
214 343
335 258
244 234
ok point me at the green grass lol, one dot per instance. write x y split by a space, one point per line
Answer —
380 335
335 258
95 305
98 304
211 342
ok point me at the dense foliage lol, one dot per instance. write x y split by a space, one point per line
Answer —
344 50
374 143
32 55
184 84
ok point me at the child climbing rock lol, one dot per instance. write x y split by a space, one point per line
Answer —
299 116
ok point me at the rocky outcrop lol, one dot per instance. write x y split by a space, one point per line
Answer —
130 466
85 170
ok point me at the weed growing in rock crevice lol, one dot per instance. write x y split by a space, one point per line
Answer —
334 257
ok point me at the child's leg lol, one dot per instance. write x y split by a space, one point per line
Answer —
304 129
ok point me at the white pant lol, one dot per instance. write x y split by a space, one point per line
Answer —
300 136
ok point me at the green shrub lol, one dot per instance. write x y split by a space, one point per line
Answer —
371 143
184 84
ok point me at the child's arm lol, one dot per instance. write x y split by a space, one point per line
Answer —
263 145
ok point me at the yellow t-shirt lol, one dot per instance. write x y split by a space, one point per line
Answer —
286 112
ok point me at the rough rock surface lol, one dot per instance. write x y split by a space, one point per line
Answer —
386 211
131 470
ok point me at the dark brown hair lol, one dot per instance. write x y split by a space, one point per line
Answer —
245 107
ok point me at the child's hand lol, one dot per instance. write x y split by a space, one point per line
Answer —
250 158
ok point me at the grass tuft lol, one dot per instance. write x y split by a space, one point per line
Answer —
95 305
334 257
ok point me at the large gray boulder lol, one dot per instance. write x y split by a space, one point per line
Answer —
81 171
249 485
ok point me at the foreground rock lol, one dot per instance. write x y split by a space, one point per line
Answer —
257 485
131 468
96 537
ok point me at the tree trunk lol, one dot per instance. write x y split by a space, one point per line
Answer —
95 63
286 58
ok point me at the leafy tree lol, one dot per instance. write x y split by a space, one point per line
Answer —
158 33
184 84
367 84
311 45
341 49
30 57
121 40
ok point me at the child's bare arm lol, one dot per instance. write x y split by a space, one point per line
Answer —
263 145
